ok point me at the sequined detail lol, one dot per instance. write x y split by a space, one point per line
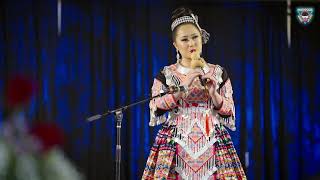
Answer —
193 143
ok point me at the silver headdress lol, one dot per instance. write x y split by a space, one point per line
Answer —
191 19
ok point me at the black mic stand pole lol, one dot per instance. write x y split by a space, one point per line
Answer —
119 116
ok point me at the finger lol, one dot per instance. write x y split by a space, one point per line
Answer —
211 78
194 73
207 79
191 79
195 77
208 75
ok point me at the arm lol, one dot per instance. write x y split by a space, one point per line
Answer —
222 98
226 109
160 105
166 102
226 105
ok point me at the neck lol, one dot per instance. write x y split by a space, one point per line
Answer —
185 62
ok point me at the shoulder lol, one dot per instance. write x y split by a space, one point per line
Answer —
219 69
168 70
215 66
161 76
171 67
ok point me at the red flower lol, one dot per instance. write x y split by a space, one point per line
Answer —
19 90
49 135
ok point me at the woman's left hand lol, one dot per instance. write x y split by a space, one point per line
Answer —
211 84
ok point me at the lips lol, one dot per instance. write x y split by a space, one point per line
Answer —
192 50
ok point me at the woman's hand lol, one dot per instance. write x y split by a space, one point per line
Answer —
210 82
189 79
212 85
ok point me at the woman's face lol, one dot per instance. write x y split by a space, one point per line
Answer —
187 40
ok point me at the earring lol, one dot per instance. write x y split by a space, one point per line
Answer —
178 55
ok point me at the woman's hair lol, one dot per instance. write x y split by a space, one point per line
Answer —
179 12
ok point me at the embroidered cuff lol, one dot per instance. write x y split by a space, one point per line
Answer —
225 108
220 106
166 102
171 101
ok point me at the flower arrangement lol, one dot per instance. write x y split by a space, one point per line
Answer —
30 152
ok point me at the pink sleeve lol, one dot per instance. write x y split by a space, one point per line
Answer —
227 110
165 102
226 92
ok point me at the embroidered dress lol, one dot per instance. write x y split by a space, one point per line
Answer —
193 142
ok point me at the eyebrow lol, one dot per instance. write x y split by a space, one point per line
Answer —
190 35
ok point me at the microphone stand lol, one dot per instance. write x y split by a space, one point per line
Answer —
119 116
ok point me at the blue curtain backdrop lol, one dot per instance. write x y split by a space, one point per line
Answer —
108 53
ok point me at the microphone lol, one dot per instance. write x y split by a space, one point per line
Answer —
167 90
95 117
174 89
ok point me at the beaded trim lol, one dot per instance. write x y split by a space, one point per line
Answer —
191 19
180 20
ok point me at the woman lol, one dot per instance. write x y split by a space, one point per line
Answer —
193 142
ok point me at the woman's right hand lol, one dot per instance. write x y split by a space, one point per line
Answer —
189 79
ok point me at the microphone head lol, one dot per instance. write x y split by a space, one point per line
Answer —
95 117
182 88
174 89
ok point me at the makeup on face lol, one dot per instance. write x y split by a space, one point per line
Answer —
188 40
